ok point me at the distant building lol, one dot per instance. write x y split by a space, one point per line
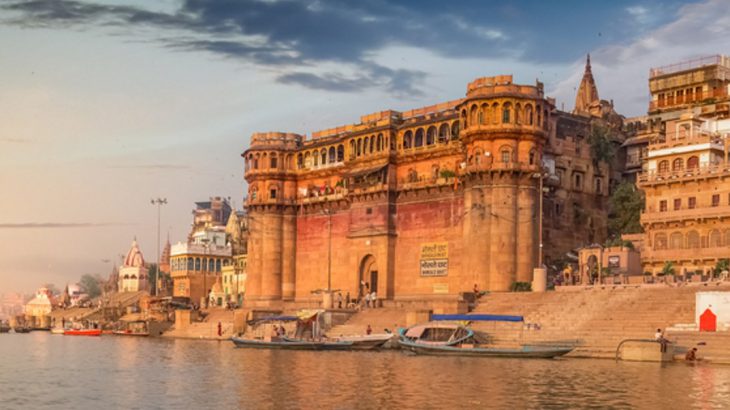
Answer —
234 274
196 264
686 170
38 309
133 274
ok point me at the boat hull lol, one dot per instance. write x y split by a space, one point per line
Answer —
83 332
125 333
368 342
534 352
290 344
57 331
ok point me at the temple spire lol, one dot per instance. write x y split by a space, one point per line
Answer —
587 91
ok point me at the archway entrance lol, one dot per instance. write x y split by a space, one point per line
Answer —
368 275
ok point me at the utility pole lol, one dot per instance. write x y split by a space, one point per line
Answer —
159 202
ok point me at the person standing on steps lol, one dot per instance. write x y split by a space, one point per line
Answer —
369 330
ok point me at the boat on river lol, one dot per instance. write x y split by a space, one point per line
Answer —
454 339
22 329
4 327
82 332
285 343
57 331
366 342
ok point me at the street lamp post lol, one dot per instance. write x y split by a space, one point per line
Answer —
159 202
204 271
539 273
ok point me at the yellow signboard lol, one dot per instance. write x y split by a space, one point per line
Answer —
435 259
435 250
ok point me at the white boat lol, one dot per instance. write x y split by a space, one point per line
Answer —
57 331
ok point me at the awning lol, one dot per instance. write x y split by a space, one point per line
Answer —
479 318
358 172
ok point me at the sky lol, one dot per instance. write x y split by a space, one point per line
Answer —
107 104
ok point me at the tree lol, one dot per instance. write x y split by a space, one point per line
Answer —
91 285
667 269
721 266
602 148
626 204
152 276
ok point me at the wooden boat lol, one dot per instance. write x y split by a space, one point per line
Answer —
82 332
22 329
456 340
129 332
4 328
57 331
285 343
366 342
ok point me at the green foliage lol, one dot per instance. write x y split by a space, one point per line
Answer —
91 285
626 203
602 149
521 287
619 242
447 173
720 266
667 269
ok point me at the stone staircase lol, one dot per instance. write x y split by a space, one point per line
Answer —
208 328
378 319
595 320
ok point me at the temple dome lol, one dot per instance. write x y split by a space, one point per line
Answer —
134 256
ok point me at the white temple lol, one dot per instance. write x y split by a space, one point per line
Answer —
133 273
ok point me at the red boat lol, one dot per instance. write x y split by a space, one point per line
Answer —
82 332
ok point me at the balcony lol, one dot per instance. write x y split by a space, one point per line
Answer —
685 138
648 254
684 214
694 98
684 175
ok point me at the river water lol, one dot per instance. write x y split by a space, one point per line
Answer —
44 371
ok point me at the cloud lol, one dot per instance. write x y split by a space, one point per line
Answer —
622 70
35 225
288 35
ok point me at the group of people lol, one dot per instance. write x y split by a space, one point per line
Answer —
366 299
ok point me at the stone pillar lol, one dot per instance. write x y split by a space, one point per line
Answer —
476 268
288 261
502 241
526 231
271 260
254 264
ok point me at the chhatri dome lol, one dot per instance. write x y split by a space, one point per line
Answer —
134 256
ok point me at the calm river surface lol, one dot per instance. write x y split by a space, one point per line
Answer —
44 371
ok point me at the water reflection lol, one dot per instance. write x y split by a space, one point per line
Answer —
40 370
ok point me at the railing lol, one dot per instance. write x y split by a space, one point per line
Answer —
684 253
672 176
634 160
685 65
687 99
683 138
703 212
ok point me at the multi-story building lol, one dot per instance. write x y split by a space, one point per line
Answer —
422 204
197 264
686 175
234 274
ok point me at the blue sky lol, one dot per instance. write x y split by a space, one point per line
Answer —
105 104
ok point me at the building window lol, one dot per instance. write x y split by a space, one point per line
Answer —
677 204
532 157
598 186
677 164
274 163
692 202
716 200
505 114
369 211
663 167
578 181
272 193
662 206
505 155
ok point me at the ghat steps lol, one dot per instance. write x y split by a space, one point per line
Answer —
597 320
378 319
208 328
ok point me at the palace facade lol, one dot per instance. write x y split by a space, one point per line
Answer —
424 204
686 173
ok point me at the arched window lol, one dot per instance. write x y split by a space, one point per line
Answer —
506 113
463 119
539 115
693 240
365 146
372 144
677 164
477 156
300 161
495 113
359 147
419 138
256 162
315 158
693 163
714 239
676 240
353 149
307 160
323 156
211 265
431 135
408 139
545 118
197 264
473 115
528 114
484 111
218 265
505 154
455 130
663 167
331 154
191 266
380 142
660 241
532 157
340 153
599 185
443 133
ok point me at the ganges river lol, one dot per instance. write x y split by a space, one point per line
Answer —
44 371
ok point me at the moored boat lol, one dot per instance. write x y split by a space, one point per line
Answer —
366 342
82 332
290 344
452 339
4 327
22 329
129 332
57 331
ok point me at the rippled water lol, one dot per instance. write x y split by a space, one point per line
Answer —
40 370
